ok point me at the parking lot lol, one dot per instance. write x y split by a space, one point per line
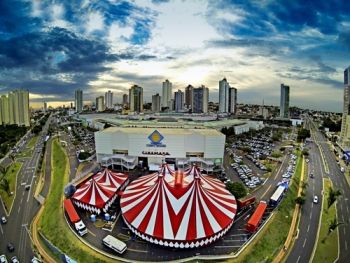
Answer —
82 138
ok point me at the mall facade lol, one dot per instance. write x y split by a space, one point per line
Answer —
128 147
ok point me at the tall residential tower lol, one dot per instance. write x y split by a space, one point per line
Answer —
167 94
284 102
345 129
136 99
78 100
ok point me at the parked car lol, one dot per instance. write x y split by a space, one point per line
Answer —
14 259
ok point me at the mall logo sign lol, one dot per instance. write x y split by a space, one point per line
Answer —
155 139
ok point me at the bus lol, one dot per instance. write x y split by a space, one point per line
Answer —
114 243
277 196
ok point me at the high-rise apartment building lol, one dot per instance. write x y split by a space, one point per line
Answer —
224 88
179 100
284 102
136 99
5 110
100 104
78 100
227 97
167 94
200 99
156 103
345 127
45 106
125 99
109 99
189 97
232 100
15 108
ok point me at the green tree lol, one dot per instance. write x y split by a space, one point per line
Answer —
5 185
300 200
237 189
332 196
303 134
333 225
305 152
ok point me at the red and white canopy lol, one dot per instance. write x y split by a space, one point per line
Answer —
110 179
100 191
182 215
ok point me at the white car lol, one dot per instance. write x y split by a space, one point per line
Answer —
315 199
3 259
3 220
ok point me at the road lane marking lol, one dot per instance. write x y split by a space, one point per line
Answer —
2 231
304 242
310 215
344 231
265 191
19 208
346 245
298 259
308 228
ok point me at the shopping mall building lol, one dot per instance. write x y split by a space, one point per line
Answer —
127 147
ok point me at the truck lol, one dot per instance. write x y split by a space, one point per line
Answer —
114 244
74 217
255 220
243 203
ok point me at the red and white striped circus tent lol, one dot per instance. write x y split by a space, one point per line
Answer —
111 179
99 192
178 212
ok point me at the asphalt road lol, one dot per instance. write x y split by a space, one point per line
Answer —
24 207
343 210
310 212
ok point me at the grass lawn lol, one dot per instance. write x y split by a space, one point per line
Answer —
327 245
272 237
11 176
52 223
32 142
25 153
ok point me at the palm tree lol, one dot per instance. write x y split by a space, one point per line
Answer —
333 225
332 196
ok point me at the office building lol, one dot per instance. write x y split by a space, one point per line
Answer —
78 100
284 102
136 98
109 100
179 101
156 103
45 106
100 104
189 97
345 127
167 94
200 99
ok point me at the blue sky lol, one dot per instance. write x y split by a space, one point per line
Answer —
55 47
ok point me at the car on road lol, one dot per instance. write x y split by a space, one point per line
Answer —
14 259
10 247
3 220
315 199
35 260
3 259
311 175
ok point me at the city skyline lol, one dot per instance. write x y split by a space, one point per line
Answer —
257 46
